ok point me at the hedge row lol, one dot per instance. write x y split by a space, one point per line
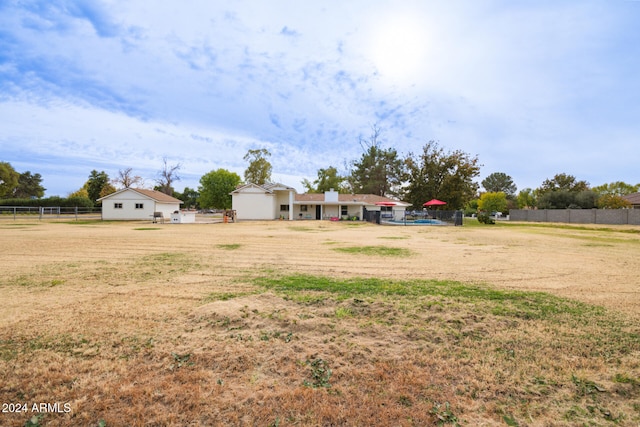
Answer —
65 202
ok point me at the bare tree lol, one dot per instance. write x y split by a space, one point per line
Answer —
126 179
168 175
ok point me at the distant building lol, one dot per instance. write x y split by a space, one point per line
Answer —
634 199
138 204
278 201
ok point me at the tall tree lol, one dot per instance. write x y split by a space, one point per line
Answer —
612 201
8 179
29 186
327 179
215 188
379 171
565 182
493 202
526 199
95 184
617 188
167 176
568 199
500 182
259 169
127 179
189 196
436 174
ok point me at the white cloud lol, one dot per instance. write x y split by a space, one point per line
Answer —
533 89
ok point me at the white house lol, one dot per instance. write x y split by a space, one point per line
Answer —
268 201
138 203
278 201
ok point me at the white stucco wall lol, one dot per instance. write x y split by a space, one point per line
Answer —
250 205
129 199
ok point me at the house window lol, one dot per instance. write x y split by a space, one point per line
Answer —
117 206
344 211
139 205
303 208
284 208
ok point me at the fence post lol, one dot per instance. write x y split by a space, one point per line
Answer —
14 213
76 211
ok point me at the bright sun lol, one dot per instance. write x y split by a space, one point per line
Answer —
399 48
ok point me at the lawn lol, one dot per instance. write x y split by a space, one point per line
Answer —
278 323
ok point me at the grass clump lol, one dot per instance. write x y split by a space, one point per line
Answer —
320 373
229 246
375 251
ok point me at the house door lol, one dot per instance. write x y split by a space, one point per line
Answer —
318 211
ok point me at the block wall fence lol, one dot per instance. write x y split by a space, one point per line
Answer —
577 216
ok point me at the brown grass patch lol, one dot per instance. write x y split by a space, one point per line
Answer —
172 328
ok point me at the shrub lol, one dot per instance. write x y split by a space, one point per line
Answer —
484 218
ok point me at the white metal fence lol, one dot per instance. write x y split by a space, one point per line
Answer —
49 213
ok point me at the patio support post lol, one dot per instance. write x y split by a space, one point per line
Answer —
290 205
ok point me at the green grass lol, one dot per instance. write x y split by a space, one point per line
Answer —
225 296
147 228
230 246
375 251
506 303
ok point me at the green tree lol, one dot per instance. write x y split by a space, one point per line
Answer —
492 202
500 181
436 174
471 207
29 186
81 193
95 184
567 199
259 169
327 179
526 199
617 188
107 189
379 171
8 179
612 201
189 196
215 188
563 182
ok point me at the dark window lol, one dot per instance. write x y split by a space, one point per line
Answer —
117 206
303 208
284 208
139 205
344 211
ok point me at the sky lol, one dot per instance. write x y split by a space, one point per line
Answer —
532 89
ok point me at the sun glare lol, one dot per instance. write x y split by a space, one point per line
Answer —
399 48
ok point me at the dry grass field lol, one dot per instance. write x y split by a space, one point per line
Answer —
318 324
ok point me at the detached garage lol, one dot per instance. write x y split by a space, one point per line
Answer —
138 204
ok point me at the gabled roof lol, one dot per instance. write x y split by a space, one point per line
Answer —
364 199
269 187
158 196
633 198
